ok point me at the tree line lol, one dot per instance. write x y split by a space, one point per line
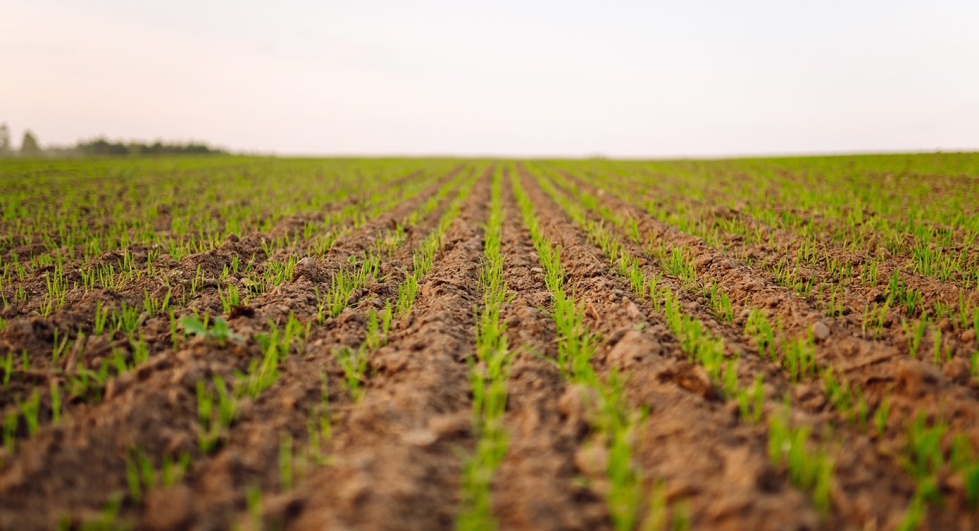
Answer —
30 147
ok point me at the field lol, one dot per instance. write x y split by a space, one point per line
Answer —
257 343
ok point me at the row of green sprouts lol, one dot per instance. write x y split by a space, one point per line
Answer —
97 273
796 356
614 422
218 398
77 222
488 374
900 302
808 466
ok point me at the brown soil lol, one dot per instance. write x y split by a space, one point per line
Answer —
396 455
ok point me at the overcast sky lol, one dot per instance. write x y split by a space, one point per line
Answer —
519 78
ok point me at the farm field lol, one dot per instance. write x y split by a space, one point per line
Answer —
252 343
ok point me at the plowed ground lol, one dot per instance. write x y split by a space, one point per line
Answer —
394 458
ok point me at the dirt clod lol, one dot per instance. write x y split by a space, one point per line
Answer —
167 508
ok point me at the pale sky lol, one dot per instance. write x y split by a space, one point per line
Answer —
640 79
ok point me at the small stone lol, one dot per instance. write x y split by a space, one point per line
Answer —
820 331
968 335
419 438
591 460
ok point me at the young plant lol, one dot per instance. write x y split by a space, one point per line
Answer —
808 469
265 372
751 401
800 358
214 421
101 318
721 304
915 333
758 327
354 365
219 329
230 299
8 369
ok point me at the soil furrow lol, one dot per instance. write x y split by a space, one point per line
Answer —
396 462
35 335
535 488
704 439
154 407
815 225
856 361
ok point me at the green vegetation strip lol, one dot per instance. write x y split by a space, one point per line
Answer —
898 294
808 469
799 362
354 361
317 236
488 376
613 421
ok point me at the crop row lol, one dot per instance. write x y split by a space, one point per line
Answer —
795 355
80 381
896 301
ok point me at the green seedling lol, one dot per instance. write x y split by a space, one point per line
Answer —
265 372
101 318
127 319
153 306
800 358
140 474
758 327
10 431
845 398
58 348
721 304
915 514
326 429
675 263
939 356
230 299
914 334
874 318
286 464
836 300
55 404
106 520
656 517
810 470
30 409
8 369
924 445
354 365
970 480
214 422
219 330
751 401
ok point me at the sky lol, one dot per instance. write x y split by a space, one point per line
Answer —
519 78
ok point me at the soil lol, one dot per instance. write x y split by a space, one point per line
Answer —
395 456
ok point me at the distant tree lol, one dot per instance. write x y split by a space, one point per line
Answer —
29 146
101 146
4 140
